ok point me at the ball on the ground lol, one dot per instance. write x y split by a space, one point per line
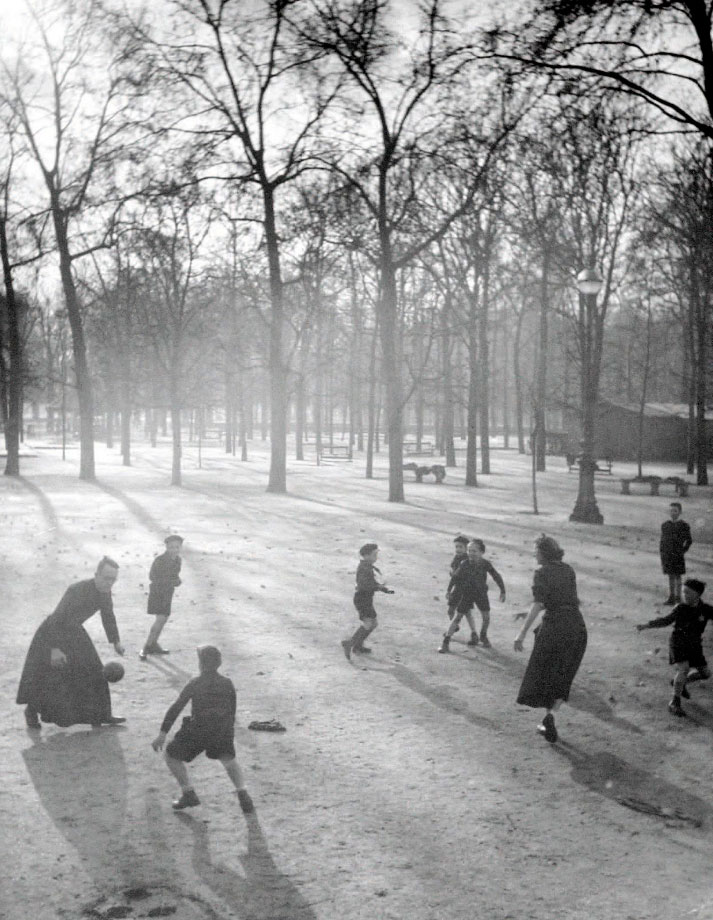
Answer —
113 671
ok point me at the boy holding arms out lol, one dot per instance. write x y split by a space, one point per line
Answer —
164 579
685 649
468 586
366 587
210 728
675 542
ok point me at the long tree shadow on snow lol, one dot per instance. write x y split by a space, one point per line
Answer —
48 512
440 697
616 779
139 512
260 891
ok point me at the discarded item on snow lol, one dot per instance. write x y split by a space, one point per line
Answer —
271 725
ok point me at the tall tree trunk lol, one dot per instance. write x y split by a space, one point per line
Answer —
471 474
277 481
484 366
447 420
125 398
517 378
371 408
81 370
541 387
176 439
12 401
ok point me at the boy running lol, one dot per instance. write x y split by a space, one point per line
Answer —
366 587
461 552
685 649
468 587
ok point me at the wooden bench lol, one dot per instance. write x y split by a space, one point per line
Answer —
334 452
411 448
655 483
600 466
437 471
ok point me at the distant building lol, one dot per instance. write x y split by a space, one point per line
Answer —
664 433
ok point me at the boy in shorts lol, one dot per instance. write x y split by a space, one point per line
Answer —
366 587
209 728
685 649
469 588
164 579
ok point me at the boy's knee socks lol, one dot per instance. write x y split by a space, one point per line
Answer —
358 637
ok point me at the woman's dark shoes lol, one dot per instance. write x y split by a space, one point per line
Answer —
547 728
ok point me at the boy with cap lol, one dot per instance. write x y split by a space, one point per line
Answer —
164 579
685 649
209 728
469 587
366 587
674 544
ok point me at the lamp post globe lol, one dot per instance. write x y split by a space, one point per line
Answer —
586 510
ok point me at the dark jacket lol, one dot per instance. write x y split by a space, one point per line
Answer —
470 578
212 696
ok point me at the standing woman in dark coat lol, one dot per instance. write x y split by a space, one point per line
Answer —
560 640
63 678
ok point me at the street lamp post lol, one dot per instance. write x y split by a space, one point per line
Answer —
586 511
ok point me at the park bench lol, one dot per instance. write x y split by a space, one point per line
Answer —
600 466
426 449
437 471
334 452
655 483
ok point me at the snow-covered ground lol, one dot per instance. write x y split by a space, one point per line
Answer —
408 785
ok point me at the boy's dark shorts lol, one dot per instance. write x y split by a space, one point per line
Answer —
466 602
191 740
682 650
364 604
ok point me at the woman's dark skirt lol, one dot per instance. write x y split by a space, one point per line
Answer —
77 693
560 643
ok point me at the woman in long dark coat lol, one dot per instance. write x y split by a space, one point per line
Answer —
63 679
560 640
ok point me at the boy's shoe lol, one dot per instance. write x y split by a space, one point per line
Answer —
674 707
347 646
143 654
187 800
362 650
32 719
445 645
485 642
246 803
474 640
156 649
547 728
114 720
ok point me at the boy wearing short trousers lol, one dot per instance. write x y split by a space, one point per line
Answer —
366 587
209 728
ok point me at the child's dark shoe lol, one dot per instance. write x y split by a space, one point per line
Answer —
246 803
362 650
143 654
684 693
485 642
547 729
474 640
674 707
445 645
188 800
31 719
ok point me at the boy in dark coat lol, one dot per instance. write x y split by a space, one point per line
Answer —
366 587
469 588
164 579
461 553
685 648
675 542
209 728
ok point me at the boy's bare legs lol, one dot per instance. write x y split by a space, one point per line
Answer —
180 771
232 768
674 589
680 677
155 631
485 623
188 796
